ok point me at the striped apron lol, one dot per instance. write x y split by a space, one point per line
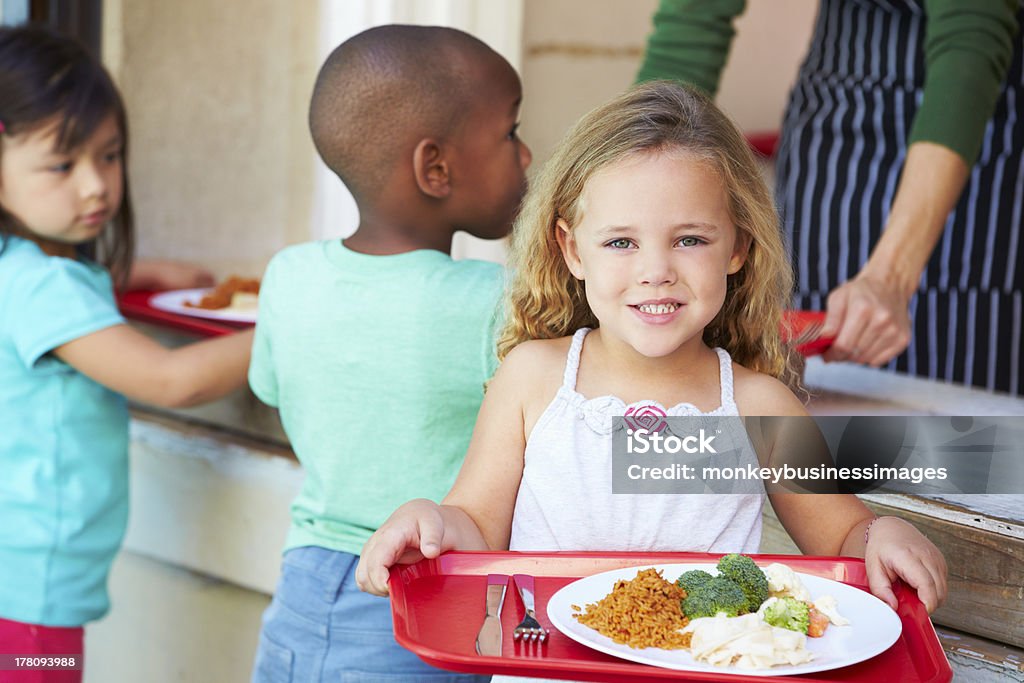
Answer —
844 140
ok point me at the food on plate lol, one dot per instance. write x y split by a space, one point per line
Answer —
717 596
739 616
641 612
691 580
745 641
788 613
818 622
748 576
237 293
783 581
827 605
739 588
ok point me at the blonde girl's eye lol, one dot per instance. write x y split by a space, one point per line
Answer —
690 241
621 243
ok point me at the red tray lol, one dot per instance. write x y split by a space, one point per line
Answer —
795 322
438 606
134 305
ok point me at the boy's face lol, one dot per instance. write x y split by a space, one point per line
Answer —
489 160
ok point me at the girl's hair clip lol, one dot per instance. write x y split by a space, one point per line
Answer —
3 128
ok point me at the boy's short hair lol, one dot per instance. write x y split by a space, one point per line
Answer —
385 88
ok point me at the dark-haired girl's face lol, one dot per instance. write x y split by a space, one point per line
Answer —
63 198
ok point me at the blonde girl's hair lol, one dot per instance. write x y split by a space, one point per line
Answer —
545 301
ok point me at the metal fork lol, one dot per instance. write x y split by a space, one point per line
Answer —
529 629
810 333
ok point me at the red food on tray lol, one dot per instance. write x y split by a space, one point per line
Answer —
134 305
438 606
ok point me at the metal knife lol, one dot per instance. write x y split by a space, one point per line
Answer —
488 640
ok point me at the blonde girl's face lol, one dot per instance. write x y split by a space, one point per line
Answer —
63 199
654 247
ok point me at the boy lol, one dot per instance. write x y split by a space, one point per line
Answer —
376 348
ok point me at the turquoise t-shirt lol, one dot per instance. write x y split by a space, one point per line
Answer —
63 443
377 364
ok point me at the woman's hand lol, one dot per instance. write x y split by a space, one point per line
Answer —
896 549
868 315
412 532
870 320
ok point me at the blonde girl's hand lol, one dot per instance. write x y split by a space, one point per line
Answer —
896 550
870 320
412 532
153 274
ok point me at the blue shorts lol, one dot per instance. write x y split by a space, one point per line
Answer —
321 627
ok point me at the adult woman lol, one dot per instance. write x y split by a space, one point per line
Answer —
894 104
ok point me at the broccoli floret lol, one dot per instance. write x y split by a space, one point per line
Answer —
690 580
717 595
788 613
748 576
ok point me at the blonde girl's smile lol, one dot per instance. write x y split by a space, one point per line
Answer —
658 312
654 245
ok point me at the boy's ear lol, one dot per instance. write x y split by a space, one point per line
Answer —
430 168
570 252
739 253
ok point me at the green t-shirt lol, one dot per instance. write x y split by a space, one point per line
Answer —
377 364
967 50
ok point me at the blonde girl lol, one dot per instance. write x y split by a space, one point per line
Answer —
648 275
67 358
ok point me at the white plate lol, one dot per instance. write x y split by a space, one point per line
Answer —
174 302
873 627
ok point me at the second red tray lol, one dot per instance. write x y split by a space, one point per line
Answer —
438 606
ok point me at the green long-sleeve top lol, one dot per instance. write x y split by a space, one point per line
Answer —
968 47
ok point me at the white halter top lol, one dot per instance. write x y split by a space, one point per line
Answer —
565 499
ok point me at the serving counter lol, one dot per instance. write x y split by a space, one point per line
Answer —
211 488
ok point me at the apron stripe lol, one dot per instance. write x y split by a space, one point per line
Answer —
842 150
1015 345
993 336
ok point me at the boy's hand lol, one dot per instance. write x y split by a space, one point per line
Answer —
413 532
897 550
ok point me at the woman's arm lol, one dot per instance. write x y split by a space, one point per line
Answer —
690 42
132 364
869 315
968 48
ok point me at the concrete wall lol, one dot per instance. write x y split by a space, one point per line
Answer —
221 163
222 168
579 53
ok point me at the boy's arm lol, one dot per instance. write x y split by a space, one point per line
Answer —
132 364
